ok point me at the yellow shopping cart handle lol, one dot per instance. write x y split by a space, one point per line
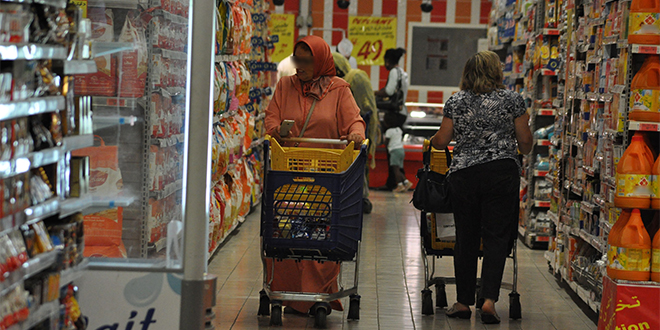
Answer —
315 140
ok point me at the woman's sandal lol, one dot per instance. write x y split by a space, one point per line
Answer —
488 318
456 313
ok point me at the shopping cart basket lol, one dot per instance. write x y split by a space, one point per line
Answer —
311 210
437 247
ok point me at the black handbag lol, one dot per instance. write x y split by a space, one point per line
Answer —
432 192
394 102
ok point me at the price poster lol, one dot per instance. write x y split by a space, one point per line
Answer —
281 30
371 37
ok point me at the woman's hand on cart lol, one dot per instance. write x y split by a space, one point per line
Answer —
357 138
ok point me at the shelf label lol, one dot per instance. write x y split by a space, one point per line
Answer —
648 127
546 112
648 49
542 238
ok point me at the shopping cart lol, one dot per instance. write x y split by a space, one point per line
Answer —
311 210
437 247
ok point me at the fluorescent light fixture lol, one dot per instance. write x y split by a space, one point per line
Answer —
417 114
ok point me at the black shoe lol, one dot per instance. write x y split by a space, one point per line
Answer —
455 313
488 318
367 207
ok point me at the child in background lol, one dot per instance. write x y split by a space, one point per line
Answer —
394 142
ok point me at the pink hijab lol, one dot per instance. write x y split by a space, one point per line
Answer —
324 68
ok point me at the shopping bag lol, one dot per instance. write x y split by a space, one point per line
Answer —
444 226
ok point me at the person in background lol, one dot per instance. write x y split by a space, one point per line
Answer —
364 97
285 68
397 79
490 126
335 115
394 142
345 48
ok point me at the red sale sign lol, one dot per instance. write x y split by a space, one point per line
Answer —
629 306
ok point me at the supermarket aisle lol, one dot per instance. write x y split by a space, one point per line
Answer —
391 280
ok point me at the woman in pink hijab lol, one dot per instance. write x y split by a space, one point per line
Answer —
335 116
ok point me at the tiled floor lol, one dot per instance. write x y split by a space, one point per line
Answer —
391 280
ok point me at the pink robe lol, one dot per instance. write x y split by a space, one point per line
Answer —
334 116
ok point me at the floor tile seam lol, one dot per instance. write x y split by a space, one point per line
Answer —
235 265
403 266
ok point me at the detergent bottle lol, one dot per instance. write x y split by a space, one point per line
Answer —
645 91
655 185
614 240
655 263
633 176
644 26
632 256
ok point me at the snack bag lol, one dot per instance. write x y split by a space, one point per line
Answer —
104 81
105 175
134 64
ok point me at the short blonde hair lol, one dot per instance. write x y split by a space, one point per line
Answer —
482 73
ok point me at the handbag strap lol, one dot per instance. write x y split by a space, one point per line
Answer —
309 115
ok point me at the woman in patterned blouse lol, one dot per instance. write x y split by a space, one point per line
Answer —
490 126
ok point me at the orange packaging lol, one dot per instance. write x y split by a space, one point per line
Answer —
644 22
645 91
104 81
655 263
632 258
134 63
655 185
633 176
614 240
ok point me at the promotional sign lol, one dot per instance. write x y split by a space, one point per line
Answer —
281 31
120 300
371 37
629 306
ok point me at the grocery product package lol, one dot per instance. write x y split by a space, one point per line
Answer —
134 64
103 233
105 175
104 81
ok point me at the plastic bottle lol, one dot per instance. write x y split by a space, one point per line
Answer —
632 256
645 91
644 26
655 185
633 176
655 263
614 240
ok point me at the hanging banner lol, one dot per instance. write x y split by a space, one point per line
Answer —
281 30
371 37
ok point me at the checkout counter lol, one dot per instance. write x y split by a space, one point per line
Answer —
423 122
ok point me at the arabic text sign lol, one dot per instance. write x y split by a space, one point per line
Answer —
628 306
281 29
371 37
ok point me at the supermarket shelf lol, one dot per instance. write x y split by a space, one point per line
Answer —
588 207
100 48
598 200
11 52
605 225
617 89
497 47
114 4
79 67
171 17
643 126
77 142
551 32
44 312
169 190
549 256
33 266
14 167
231 58
519 43
576 190
31 106
543 142
102 122
521 230
69 275
555 141
590 171
608 180
593 241
645 49
538 173
114 102
168 142
113 201
222 240
172 54
72 205
44 210
550 178
44 157
554 217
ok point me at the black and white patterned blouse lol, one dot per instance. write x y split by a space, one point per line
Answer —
484 128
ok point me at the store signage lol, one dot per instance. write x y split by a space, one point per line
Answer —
131 300
281 29
629 306
371 37
82 4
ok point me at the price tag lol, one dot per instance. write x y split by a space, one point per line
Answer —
649 49
648 127
542 238
546 112
371 36
83 6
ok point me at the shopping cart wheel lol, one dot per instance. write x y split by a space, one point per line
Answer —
514 306
440 295
264 304
354 307
427 302
320 316
276 314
